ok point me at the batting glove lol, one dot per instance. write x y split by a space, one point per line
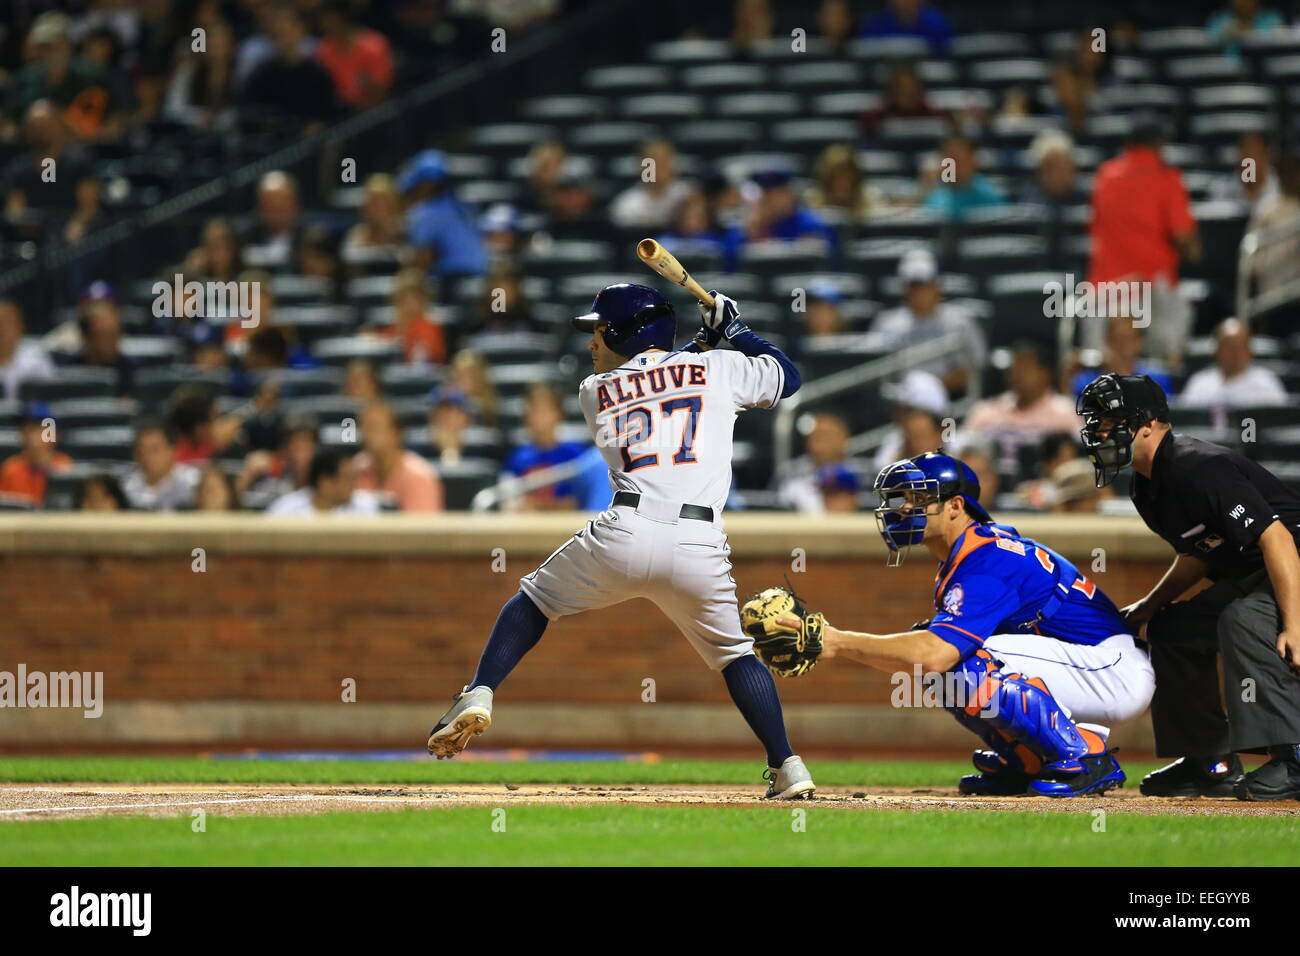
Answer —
723 318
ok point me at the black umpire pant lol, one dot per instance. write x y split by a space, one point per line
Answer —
1240 621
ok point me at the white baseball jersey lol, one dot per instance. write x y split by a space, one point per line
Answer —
663 421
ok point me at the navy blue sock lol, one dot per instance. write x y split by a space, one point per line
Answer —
754 692
518 628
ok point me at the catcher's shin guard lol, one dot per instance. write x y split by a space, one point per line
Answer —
1018 717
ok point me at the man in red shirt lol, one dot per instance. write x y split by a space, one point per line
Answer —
1141 226
23 476
359 60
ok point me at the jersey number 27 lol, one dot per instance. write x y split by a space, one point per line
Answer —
641 422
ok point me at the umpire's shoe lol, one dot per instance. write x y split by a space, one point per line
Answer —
995 778
469 716
1194 777
1089 774
790 781
1279 779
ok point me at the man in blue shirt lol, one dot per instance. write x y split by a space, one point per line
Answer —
443 229
1031 655
544 449
911 18
961 187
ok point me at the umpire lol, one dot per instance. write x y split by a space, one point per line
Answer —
1232 521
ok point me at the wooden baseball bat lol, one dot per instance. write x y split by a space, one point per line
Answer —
665 263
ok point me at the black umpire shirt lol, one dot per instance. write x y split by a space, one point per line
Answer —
1213 503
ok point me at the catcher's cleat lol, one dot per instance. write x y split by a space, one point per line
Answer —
1279 779
1194 777
791 781
995 777
469 716
1089 774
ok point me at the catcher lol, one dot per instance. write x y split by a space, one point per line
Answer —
1037 661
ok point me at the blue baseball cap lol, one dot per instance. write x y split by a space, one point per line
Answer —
429 166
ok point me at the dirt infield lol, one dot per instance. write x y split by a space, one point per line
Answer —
68 801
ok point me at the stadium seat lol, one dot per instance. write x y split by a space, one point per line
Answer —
760 105
465 479
716 77
628 78
813 135
563 108
888 49
1018 302
70 382
811 77
987 46
662 107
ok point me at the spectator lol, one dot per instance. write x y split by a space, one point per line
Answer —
415 325
358 59
100 326
1074 490
268 475
88 97
1254 180
918 405
911 18
838 486
841 188
1030 407
824 317
469 373
904 99
277 230
925 317
695 230
401 476
502 233
835 24
1055 185
28 185
1072 96
24 476
101 492
331 489
291 85
259 48
826 445
20 361
380 228
450 414
503 308
1242 19
200 432
1123 356
1234 380
573 210
318 256
980 456
651 202
752 24
1141 225
1278 262
218 256
202 89
780 215
546 164
543 448
216 491
158 482
443 229
1056 449
959 185
361 381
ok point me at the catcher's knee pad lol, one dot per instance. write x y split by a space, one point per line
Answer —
1017 716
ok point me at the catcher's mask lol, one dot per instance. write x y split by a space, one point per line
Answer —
908 488
1113 408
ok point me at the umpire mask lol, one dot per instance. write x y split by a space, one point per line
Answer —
1113 408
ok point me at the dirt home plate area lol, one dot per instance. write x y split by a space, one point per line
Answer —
70 801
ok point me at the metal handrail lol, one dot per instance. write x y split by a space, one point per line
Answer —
1253 244
516 486
857 377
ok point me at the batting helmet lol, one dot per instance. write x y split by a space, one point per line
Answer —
1113 408
636 318
932 477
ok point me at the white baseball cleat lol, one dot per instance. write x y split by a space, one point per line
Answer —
469 716
791 782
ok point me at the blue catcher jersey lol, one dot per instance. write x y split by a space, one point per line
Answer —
996 582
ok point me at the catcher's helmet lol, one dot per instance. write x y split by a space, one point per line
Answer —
636 318
932 477
1117 405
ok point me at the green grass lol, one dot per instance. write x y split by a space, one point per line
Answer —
621 835
830 773
655 836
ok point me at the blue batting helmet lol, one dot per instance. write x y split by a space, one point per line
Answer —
636 318
932 477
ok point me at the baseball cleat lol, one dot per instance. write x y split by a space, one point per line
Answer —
1279 779
1194 777
995 777
469 716
1089 774
791 781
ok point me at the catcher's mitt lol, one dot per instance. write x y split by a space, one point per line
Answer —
785 650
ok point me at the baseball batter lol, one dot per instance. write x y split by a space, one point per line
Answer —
663 419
